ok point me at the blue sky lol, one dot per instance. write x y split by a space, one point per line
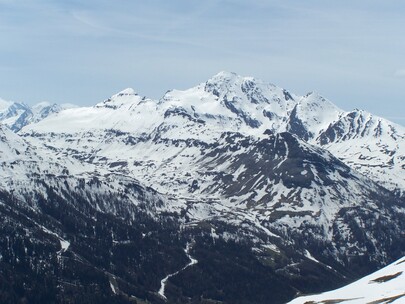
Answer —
352 52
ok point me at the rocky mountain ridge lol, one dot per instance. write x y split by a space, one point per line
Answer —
228 102
237 167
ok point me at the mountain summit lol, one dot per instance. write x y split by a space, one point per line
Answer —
191 197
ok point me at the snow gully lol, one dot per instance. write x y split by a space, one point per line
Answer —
164 281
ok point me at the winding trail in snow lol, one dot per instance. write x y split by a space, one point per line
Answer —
164 281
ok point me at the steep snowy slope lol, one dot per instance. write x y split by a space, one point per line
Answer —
370 144
383 286
235 103
311 116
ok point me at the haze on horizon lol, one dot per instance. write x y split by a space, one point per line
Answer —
83 52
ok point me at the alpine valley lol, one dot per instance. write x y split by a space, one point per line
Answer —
233 191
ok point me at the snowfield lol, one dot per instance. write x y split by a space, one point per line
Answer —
386 285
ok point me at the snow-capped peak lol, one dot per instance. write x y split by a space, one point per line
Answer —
231 77
230 84
41 105
224 75
116 101
223 83
230 102
126 92
216 158
312 115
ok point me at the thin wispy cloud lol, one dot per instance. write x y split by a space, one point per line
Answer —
97 47
113 24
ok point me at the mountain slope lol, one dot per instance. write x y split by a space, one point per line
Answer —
69 233
226 244
234 166
231 103
370 144
383 286
244 104
185 146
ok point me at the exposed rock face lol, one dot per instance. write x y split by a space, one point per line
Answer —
102 203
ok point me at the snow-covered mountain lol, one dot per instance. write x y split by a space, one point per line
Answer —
213 146
16 115
370 144
306 191
231 103
383 286
26 170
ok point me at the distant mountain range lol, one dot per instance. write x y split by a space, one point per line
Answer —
271 195
17 115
